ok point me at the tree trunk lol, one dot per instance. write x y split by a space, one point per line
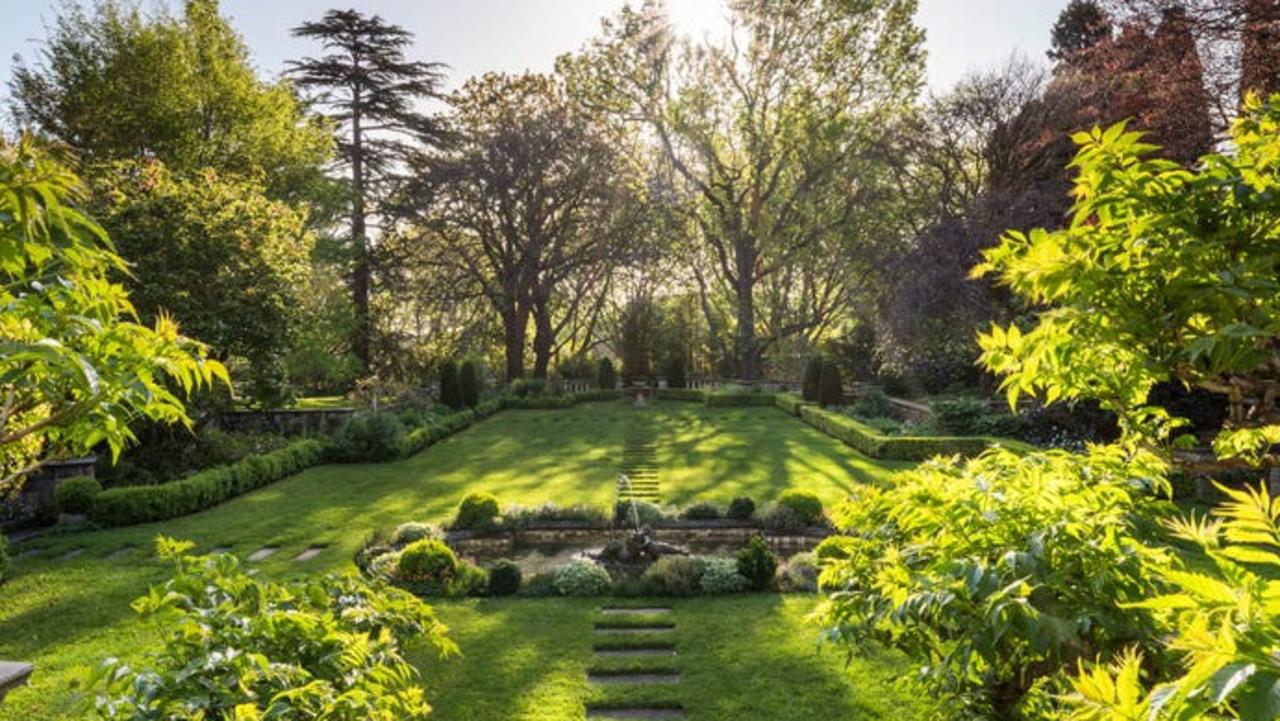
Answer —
746 345
361 275
1260 51
543 339
514 323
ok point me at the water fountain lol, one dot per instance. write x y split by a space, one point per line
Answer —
638 549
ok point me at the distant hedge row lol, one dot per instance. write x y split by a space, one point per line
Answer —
871 442
715 398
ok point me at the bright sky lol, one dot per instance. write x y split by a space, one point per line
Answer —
474 36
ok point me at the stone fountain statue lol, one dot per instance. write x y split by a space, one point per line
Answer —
632 554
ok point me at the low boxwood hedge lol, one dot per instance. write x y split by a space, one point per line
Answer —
729 398
551 402
789 402
681 394
144 504
870 442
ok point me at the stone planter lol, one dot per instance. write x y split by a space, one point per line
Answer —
13 675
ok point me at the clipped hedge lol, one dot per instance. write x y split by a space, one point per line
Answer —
567 400
722 398
681 394
789 402
870 442
145 504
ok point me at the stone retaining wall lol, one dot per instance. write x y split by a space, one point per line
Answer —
580 535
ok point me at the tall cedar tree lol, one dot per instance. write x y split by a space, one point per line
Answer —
469 383
1081 25
371 90
450 388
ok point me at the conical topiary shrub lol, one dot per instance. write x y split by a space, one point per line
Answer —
469 383
830 387
606 376
450 390
812 379
675 373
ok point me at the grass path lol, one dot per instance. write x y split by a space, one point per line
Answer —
66 615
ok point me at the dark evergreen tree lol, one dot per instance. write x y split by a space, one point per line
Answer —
812 379
831 386
607 377
469 380
1081 25
450 390
371 91
675 372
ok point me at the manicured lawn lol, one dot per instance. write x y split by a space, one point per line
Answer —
67 614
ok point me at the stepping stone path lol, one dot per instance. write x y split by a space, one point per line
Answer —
639 479
262 553
73 553
119 553
643 623
309 554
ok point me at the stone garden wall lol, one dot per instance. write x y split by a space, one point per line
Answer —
684 533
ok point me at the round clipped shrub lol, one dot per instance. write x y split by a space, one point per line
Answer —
427 566
806 504
469 383
76 495
720 576
540 585
782 519
470 580
626 513
757 563
607 377
477 510
407 533
370 437
799 574
673 576
741 509
830 386
504 577
450 388
383 567
812 379
701 511
582 578
675 373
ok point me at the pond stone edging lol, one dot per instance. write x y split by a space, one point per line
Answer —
684 533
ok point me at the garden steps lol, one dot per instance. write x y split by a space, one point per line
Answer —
627 620
638 479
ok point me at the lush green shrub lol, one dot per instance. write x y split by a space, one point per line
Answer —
782 519
606 376
426 567
144 504
527 387
673 576
675 372
806 504
237 646
582 578
470 580
470 383
504 577
626 513
830 386
757 563
961 416
407 533
370 438
741 509
868 441
812 380
450 388
163 455
440 428
521 517
1038 555
701 511
872 404
541 585
4 556
681 394
789 403
799 574
478 510
720 576
883 426
76 495
739 398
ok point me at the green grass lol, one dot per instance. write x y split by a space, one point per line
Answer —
68 615
322 402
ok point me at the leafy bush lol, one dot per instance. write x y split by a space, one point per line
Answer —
883 426
407 533
789 403
478 510
741 509
4 556
163 455
470 383
961 416
799 574
701 511
673 576
872 404
745 397
782 519
541 585
426 567
370 438
582 578
868 441
675 372
325 648
144 504
995 574
830 386
607 377
812 380
681 394
525 387
521 517
504 577
471 580
76 495
450 388
757 563
626 513
806 504
720 576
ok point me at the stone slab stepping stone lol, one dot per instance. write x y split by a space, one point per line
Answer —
310 553
73 553
263 552
623 610
13 675
601 712
620 630
119 553
637 652
639 678
220 549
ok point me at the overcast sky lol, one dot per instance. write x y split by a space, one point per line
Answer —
474 36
